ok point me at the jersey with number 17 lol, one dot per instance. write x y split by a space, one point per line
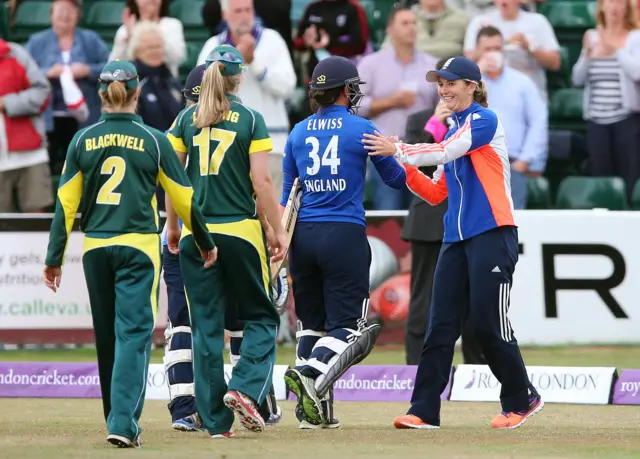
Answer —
218 163
327 154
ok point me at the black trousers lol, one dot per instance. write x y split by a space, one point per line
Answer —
424 257
614 150
64 128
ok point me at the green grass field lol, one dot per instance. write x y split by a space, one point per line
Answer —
70 428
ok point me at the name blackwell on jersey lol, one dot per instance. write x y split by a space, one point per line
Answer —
322 185
114 140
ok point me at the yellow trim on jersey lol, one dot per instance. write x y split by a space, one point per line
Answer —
181 196
177 143
70 195
149 244
260 145
154 206
248 230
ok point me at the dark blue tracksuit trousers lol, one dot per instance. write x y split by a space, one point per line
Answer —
474 277
180 373
329 265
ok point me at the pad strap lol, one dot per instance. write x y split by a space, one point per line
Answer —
181 390
174 357
301 333
169 332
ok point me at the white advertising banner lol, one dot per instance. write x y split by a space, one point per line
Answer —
25 303
157 388
575 281
476 383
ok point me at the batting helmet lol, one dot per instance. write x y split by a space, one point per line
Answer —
336 72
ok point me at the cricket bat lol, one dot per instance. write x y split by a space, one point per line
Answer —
289 218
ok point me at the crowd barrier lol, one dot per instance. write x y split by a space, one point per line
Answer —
362 383
575 281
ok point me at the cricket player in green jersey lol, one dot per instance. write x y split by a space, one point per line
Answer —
225 146
110 174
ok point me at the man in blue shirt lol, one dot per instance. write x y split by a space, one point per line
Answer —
524 115
329 256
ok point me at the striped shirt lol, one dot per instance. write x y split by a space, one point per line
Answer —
605 94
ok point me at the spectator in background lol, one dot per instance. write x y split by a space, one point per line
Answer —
474 8
212 16
520 108
441 28
175 48
330 27
276 15
24 161
272 14
531 45
424 229
270 79
396 87
160 98
85 54
609 68
471 8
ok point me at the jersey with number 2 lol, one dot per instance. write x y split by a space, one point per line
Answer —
326 152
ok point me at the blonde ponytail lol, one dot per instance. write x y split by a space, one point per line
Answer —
480 94
213 103
117 97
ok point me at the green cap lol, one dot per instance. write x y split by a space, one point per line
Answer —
119 70
229 56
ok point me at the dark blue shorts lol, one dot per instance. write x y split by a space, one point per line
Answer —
329 266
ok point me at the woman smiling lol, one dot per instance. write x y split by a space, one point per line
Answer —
475 269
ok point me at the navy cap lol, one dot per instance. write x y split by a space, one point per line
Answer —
333 72
456 68
194 80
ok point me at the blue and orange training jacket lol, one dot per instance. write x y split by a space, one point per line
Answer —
473 172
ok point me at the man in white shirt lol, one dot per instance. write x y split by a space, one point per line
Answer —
270 79
530 42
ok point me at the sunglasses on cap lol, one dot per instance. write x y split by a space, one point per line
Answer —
225 57
117 75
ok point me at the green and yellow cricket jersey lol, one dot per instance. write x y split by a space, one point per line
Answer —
218 160
110 174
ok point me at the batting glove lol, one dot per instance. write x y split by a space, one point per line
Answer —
281 291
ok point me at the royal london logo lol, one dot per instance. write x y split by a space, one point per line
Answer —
321 79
